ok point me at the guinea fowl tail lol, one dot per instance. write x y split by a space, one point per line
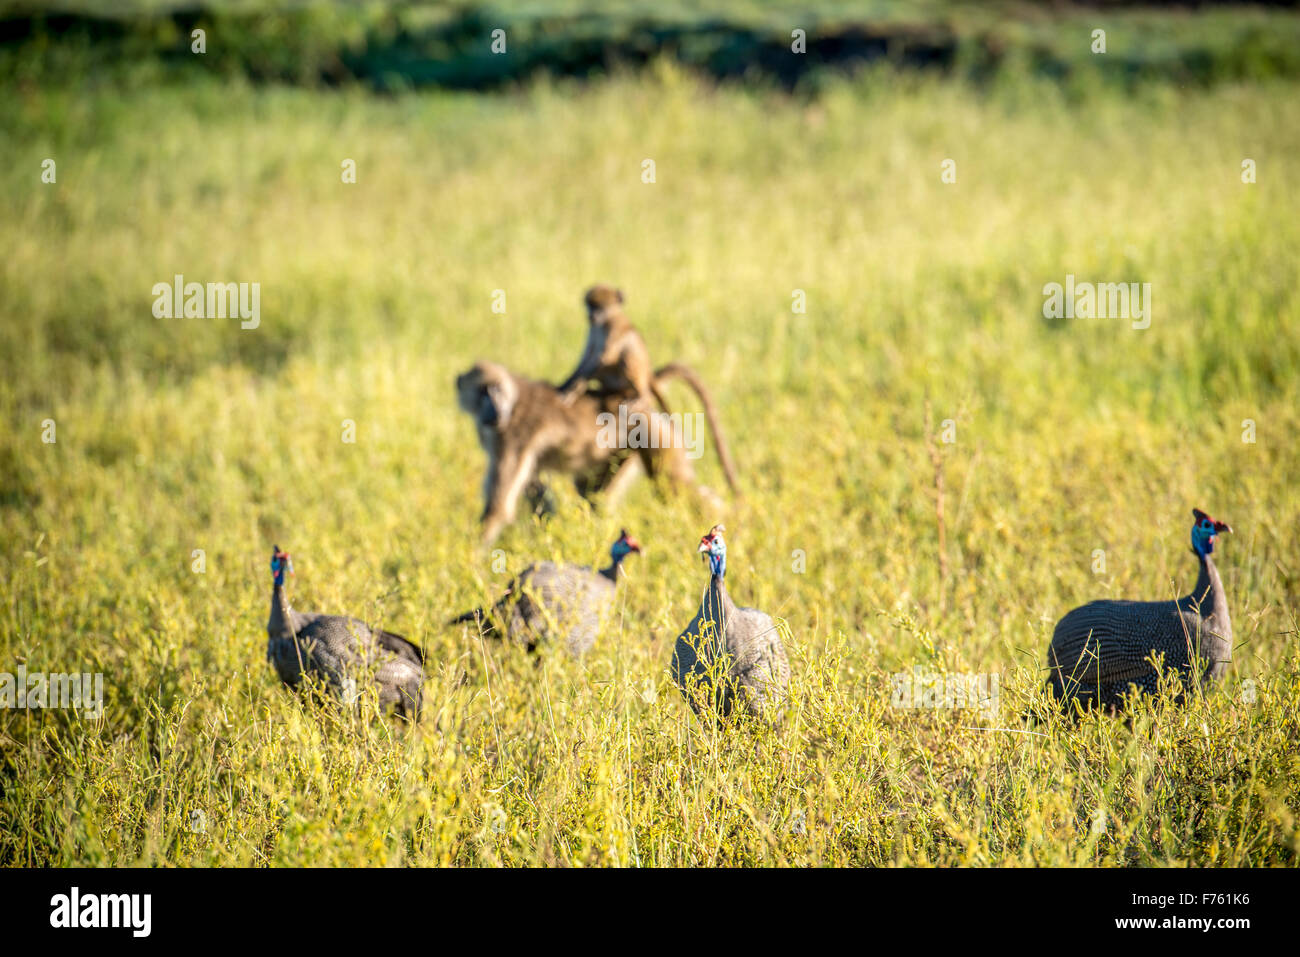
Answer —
479 617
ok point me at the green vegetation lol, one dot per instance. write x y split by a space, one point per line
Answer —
1073 435
400 46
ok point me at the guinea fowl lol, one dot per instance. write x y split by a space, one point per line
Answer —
728 652
552 601
1098 650
340 650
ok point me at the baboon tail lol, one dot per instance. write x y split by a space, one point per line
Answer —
678 370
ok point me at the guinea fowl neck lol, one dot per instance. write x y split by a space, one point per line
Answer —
281 614
610 571
717 604
1208 594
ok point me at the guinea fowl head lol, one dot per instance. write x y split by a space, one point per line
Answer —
625 546
1204 530
714 550
280 563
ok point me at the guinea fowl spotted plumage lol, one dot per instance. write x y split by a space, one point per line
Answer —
340 651
552 601
728 652
1100 649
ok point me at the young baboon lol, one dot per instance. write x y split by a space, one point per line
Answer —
615 355
526 428
617 358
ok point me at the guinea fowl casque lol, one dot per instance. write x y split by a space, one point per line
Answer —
550 601
340 650
728 652
1099 649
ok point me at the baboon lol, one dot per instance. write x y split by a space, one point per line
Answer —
615 355
527 428
617 358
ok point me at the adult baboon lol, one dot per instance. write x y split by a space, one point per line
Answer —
527 428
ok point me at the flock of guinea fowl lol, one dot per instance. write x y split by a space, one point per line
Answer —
729 661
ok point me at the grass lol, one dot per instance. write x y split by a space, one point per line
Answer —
1071 436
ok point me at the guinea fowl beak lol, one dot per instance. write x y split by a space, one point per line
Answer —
1222 526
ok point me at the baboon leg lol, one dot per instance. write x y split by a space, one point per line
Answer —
711 500
668 458
679 370
593 482
617 487
541 500
511 474
659 397
658 433
587 486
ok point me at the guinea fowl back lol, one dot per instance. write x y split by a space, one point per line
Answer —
1100 648
565 600
555 601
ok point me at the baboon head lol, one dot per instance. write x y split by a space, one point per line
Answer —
602 299
487 392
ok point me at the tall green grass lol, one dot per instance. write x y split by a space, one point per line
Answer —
185 434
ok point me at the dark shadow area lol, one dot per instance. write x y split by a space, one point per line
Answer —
403 46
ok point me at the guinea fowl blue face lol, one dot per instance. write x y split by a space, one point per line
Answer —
1204 530
280 563
625 545
715 550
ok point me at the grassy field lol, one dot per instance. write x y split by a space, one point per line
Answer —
176 435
